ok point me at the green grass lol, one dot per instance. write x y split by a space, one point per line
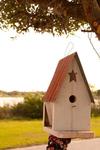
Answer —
22 133
95 126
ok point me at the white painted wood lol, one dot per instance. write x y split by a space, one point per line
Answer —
49 112
70 120
70 134
72 116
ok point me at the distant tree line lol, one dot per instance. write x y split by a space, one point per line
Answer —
24 94
32 107
17 93
96 94
95 111
96 107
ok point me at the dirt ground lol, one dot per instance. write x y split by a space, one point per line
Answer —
89 144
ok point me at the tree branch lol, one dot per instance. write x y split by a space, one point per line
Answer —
92 13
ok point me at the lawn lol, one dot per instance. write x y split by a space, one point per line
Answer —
95 126
15 133
21 133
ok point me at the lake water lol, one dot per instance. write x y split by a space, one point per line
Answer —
10 100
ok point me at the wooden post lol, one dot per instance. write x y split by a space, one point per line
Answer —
55 143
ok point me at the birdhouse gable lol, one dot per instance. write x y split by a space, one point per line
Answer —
65 71
67 102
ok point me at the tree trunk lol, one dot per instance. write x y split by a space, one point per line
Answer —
92 13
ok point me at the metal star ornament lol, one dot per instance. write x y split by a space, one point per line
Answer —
72 76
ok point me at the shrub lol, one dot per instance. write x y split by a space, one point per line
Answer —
5 112
32 107
95 111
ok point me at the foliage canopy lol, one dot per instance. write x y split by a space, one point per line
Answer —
54 16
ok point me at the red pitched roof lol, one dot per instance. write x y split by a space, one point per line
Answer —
59 76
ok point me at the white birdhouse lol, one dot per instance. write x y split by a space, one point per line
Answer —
67 102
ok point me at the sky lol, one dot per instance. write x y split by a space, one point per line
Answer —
28 62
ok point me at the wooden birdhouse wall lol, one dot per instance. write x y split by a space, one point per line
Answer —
69 115
47 114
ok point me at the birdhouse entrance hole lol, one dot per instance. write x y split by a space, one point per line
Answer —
72 99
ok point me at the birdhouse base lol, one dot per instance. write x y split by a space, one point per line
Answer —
70 134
